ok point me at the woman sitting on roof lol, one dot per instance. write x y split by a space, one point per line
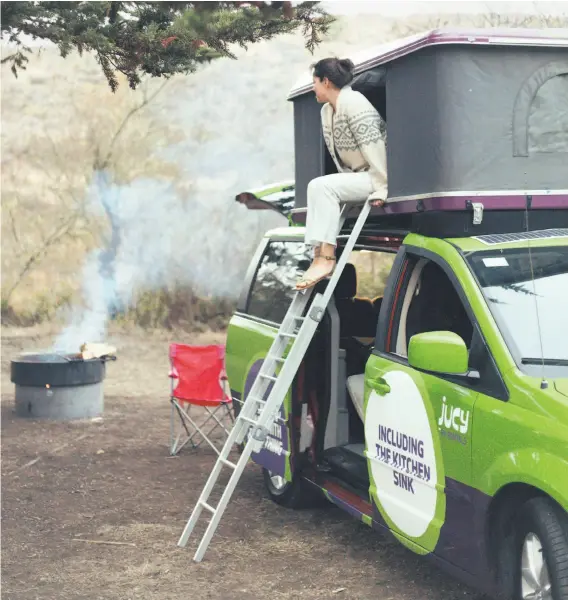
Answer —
355 135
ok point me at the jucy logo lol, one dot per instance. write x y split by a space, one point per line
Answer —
454 418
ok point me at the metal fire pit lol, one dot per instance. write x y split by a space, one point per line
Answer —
58 386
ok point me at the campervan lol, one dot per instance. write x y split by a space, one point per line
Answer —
432 403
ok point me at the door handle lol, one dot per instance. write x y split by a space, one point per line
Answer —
380 386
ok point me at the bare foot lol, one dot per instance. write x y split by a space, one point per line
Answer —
379 203
321 267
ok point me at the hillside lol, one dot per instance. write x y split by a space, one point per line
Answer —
158 197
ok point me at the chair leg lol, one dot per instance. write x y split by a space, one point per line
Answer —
175 446
229 410
225 420
205 434
198 430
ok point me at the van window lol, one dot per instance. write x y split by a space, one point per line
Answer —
373 269
526 291
282 264
431 303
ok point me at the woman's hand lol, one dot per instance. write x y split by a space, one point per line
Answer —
379 203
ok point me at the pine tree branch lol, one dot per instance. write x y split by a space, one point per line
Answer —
156 39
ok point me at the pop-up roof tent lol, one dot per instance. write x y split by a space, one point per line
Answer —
477 116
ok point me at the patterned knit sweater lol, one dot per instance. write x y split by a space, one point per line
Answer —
356 137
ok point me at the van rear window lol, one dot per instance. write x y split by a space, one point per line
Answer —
273 287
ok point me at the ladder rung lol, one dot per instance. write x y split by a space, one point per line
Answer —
262 422
208 507
271 377
255 399
276 358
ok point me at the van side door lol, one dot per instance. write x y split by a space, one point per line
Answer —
266 297
418 425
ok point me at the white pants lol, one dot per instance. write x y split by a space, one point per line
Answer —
325 194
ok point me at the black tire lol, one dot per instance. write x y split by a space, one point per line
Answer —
295 494
549 522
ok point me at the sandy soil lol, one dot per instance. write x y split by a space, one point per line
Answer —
112 481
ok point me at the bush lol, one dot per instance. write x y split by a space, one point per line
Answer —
40 309
179 307
165 308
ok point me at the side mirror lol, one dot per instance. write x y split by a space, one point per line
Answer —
441 352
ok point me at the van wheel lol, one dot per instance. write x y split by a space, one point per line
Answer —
542 552
291 494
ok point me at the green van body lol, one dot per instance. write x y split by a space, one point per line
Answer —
436 411
450 455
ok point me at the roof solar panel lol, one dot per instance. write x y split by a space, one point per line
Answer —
510 238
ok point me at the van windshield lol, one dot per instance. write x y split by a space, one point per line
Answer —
527 294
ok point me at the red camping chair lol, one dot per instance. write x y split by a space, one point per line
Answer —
198 379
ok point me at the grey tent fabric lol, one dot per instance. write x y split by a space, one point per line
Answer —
542 100
462 119
459 135
548 119
372 84
309 145
370 80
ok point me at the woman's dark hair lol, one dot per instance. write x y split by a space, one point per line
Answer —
338 70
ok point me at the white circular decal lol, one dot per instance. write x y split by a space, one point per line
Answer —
400 449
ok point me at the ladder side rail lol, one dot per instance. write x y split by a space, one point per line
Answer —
277 349
307 331
222 504
211 481
267 415
350 244
285 379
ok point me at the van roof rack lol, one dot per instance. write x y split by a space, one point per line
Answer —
465 220
456 224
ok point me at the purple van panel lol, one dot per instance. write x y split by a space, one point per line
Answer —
461 549
462 537
458 203
497 202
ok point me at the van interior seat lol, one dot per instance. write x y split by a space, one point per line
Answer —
377 302
356 389
357 315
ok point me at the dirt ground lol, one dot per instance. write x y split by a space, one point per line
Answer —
112 481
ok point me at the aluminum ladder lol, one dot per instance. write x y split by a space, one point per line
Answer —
258 415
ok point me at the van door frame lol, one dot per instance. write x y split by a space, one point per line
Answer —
388 323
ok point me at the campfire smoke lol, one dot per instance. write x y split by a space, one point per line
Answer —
191 232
